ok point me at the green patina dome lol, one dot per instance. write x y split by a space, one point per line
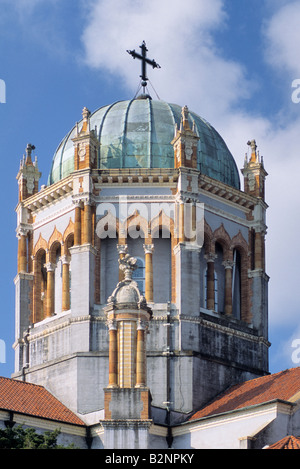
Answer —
137 134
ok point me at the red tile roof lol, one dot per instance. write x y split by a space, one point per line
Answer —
34 400
283 385
289 442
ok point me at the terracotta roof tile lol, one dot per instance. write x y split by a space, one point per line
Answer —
289 442
31 399
283 385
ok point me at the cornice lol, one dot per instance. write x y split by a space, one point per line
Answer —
226 329
227 193
136 176
162 177
49 194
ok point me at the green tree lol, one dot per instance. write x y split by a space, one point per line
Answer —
20 438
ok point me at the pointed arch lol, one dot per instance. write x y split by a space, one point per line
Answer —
208 238
54 245
222 237
136 226
108 226
40 244
239 242
162 222
69 230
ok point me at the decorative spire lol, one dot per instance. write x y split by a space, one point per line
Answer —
254 172
28 175
86 120
184 117
29 149
86 143
254 155
185 142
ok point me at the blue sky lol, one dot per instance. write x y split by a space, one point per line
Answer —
231 61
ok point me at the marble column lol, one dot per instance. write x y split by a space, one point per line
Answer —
210 281
140 356
65 282
113 355
228 286
148 248
50 267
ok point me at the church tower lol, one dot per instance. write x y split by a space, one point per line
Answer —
141 291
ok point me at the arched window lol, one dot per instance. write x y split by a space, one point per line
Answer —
139 275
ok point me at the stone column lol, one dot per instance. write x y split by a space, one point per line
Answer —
87 223
148 248
22 252
50 289
36 295
77 225
140 356
113 355
181 222
65 282
259 254
228 286
210 281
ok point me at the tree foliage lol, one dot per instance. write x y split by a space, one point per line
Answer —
20 438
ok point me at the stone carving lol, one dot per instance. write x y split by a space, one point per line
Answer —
127 264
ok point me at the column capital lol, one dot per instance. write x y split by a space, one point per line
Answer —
50 266
210 257
141 325
228 264
65 259
111 324
77 202
85 198
22 231
122 248
148 248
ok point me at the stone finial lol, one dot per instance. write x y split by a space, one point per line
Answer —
253 146
254 172
85 113
184 117
128 264
29 149
86 121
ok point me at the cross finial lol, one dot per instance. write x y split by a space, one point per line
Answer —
144 60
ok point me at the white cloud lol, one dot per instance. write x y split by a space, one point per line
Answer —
180 36
283 37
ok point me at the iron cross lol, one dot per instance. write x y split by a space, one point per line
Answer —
145 60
